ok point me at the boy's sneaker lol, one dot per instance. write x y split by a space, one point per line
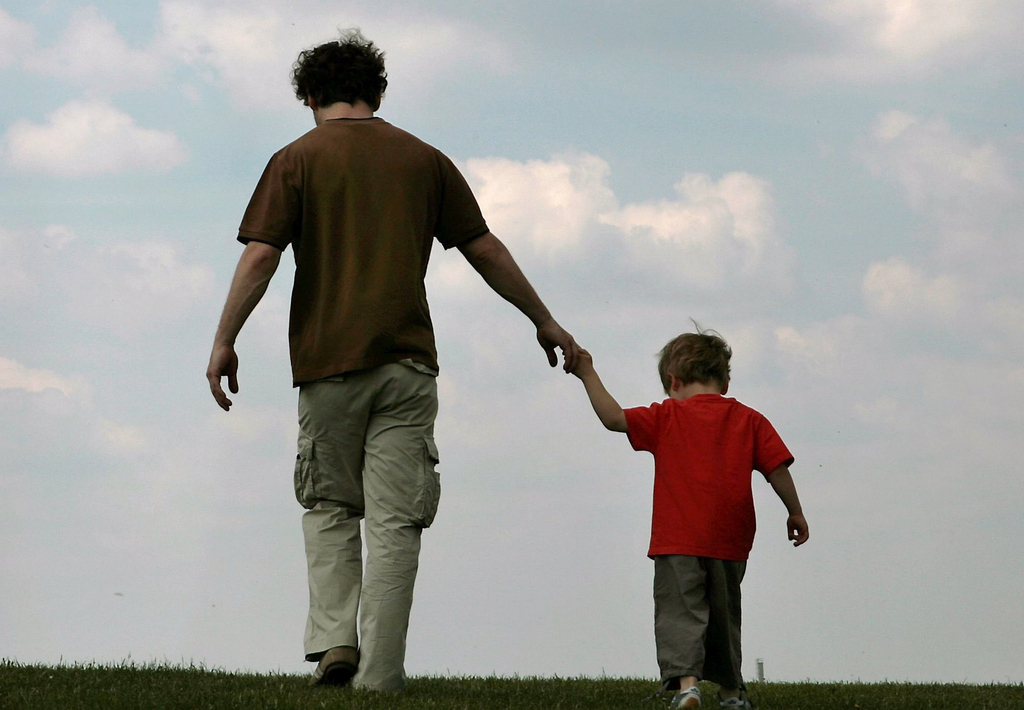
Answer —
740 702
689 698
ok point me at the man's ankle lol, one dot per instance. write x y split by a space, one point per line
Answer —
727 693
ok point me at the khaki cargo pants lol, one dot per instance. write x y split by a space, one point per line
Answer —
366 452
697 618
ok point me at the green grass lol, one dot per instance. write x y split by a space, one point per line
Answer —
27 687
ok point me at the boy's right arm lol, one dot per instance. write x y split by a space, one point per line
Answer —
605 406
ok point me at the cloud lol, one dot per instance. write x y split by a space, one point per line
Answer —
15 39
939 171
113 438
713 231
894 288
1002 319
15 277
562 211
248 48
883 40
548 205
816 349
966 189
93 54
132 287
14 375
89 138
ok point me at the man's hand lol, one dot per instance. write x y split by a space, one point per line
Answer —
796 525
223 361
551 335
255 268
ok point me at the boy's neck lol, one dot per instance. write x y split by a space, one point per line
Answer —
681 391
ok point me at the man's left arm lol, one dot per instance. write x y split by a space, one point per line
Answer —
255 268
493 261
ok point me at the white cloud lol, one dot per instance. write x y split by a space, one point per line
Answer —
965 188
712 232
937 169
23 258
890 39
15 277
119 439
248 48
16 39
92 53
14 375
58 236
562 211
88 138
909 28
131 287
242 47
156 270
896 289
1002 322
546 204
816 349
882 410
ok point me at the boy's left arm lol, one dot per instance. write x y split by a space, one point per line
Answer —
796 525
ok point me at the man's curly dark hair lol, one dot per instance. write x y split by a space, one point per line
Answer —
347 69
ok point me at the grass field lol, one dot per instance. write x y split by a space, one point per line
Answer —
139 687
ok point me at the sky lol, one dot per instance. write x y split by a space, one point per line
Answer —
836 186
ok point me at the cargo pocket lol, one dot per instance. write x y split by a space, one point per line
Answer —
430 491
305 472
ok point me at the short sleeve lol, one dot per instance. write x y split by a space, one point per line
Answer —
769 450
643 426
459 218
275 209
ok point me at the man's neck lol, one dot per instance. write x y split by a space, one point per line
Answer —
340 109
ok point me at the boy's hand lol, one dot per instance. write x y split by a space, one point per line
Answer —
584 364
796 525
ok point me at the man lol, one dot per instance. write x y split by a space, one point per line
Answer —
360 202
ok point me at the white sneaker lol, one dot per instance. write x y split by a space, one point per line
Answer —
740 702
689 698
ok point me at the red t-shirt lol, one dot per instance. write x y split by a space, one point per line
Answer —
705 448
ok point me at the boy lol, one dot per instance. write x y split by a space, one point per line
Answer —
705 447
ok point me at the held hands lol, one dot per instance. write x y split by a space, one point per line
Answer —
550 335
796 526
584 364
223 361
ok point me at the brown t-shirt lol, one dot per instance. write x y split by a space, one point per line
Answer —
360 201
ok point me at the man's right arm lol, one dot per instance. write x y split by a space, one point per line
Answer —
255 268
493 261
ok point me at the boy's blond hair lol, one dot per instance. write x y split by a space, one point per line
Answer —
695 357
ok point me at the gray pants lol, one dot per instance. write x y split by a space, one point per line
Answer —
366 451
697 618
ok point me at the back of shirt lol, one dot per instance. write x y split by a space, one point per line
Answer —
360 201
705 449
